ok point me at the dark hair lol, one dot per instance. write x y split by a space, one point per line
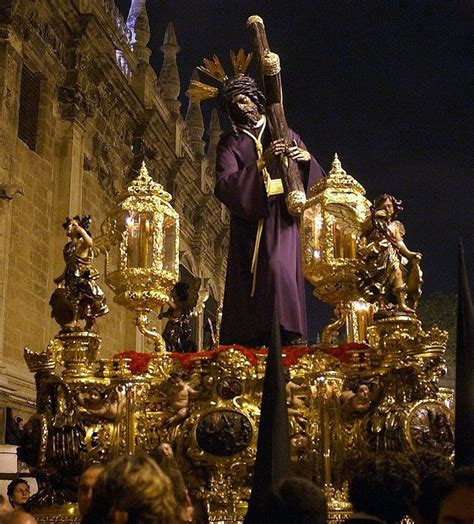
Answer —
240 85
462 477
11 487
295 500
356 385
84 222
384 485
170 468
397 204
432 470
182 291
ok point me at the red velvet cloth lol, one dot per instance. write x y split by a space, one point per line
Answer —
139 361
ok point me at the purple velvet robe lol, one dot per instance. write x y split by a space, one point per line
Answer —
280 279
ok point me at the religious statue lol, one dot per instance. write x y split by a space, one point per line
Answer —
105 403
78 296
179 392
384 277
360 399
264 267
296 394
183 299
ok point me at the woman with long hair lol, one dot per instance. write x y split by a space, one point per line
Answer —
133 490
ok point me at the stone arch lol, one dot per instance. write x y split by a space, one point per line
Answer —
188 261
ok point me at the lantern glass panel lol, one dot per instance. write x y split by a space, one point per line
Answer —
313 226
169 244
113 258
344 243
140 240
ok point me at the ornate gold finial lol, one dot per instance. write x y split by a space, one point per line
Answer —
213 68
145 185
337 167
144 171
254 19
44 361
240 61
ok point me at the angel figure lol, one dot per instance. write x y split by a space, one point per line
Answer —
359 399
78 296
384 277
177 331
179 391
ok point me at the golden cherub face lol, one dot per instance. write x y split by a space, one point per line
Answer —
387 206
71 228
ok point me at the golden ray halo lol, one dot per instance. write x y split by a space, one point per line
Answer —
212 67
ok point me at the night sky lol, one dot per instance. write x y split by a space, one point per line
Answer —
386 84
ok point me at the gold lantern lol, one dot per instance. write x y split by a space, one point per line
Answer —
331 221
140 238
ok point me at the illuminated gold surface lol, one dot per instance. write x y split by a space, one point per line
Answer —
140 238
96 409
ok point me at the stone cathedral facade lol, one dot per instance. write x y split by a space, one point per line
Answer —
80 108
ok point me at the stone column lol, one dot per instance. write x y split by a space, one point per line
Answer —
214 132
68 183
169 75
10 78
195 123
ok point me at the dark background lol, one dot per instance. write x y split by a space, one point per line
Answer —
386 84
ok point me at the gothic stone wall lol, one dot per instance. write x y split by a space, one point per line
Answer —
98 96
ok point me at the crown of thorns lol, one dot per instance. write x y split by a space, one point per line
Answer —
212 67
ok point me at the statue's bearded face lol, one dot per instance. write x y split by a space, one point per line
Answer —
244 110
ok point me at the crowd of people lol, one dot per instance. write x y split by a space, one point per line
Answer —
384 487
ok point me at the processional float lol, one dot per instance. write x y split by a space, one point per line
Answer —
206 404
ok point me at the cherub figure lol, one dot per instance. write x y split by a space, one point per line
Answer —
107 404
78 296
179 393
359 399
177 331
384 277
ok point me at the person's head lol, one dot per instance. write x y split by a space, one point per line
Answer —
132 489
180 291
178 377
242 102
432 469
384 485
298 445
295 500
362 391
170 467
70 225
86 485
18 492
457 501
389 204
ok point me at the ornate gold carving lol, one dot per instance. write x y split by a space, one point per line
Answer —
79 352
43 361
143 231
295 200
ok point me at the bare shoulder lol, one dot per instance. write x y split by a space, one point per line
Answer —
20 517
398 227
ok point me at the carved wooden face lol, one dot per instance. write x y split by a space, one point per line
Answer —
71 230
387 206
244 110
